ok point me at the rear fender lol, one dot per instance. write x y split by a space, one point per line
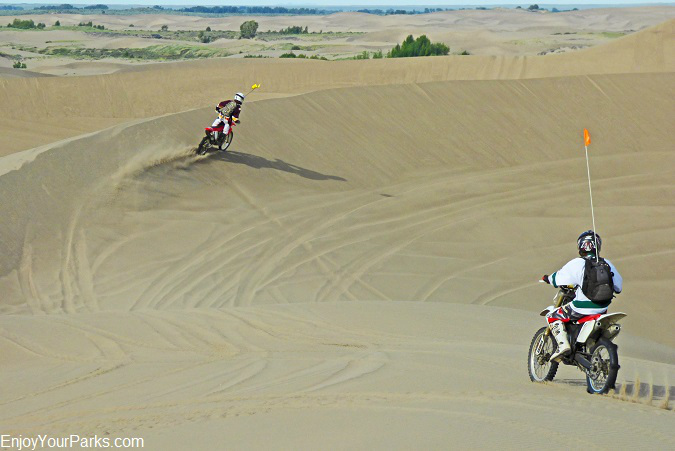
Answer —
603 323
607 320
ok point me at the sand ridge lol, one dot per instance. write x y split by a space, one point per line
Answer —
84 103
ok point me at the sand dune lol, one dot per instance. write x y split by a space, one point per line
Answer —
318 226
358 271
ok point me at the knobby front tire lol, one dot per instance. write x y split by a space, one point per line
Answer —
538 366
201 149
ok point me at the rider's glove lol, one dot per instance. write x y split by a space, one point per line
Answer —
545 279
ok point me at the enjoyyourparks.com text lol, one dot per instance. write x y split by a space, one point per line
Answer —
44 441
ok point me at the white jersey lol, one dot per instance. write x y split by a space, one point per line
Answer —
573 274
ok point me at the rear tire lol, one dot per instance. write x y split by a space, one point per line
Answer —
538 366
226 142
605 367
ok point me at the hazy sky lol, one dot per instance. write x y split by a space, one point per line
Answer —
369 3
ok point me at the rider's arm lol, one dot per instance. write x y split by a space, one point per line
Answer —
616 278
220 105
570 274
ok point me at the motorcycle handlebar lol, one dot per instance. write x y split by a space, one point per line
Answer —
566 287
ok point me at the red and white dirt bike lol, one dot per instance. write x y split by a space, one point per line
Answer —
593 351
222 142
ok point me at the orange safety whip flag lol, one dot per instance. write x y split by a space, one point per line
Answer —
587 138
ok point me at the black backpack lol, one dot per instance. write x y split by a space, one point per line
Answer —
598 285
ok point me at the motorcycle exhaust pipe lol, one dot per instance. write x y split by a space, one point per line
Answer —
611 331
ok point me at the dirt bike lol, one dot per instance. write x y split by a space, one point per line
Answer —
223 141
590 337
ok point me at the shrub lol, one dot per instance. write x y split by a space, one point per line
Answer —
208 28
57 23
317 57
288 55
41 26
19 65
378 54
295 29
362 56
164 28
203 37
22 24
421 46
248 29
296 47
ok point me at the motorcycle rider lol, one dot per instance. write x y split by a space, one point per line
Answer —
227 109
573 274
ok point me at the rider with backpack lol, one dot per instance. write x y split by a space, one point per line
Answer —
596 279
227 109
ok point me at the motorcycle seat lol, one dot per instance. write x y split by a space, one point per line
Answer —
587 318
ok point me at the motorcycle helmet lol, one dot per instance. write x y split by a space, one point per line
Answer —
239 97
587 241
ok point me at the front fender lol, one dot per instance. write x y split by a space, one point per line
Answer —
547 310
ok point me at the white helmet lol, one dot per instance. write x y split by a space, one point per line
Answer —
239 97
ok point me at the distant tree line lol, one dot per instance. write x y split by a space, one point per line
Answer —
67 6
10 8
63 7
254 10
391 11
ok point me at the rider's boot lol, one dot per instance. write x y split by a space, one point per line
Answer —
560 334
215 137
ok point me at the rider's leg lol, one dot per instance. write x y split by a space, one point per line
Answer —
560 333
556 322
215 124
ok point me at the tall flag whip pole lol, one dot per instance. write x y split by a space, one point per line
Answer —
587 142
